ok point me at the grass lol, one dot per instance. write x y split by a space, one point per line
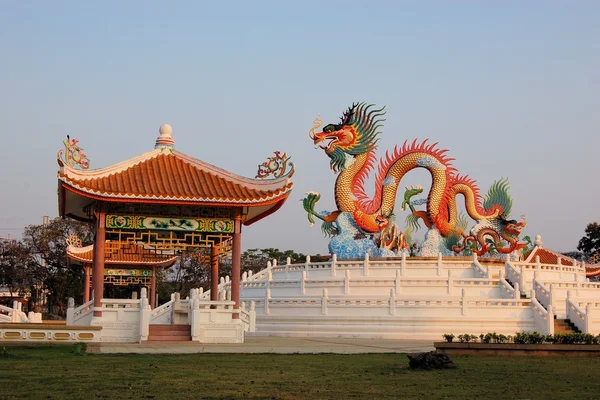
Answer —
64 372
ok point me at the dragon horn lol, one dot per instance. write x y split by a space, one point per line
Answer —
316 124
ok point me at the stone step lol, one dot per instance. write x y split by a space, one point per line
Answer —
169 328
564 326
169 338
169 333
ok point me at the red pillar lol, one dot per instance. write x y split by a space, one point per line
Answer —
214 273
98 265
86 284
153 288
236 261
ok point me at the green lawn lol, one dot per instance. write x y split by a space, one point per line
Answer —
61 373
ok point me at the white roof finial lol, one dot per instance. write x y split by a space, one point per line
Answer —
538 240
165 139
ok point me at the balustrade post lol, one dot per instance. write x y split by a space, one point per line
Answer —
347 282
577 285
522 278
403 265
450 282
267 298
366 265
392 302
397 282
252 327
588 319
70 310
439 264
333 264
550 321
517 293
463 303
307 263
303 283
288 262
501 274
551 295
195 319
538 264
324 300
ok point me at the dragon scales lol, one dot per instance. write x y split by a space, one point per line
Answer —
366 225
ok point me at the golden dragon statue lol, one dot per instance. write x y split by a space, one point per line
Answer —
364 224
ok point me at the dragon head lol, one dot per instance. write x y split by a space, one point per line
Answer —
511 229
355 134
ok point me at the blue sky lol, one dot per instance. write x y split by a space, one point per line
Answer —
510 88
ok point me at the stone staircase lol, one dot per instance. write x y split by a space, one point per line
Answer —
169 333
564 326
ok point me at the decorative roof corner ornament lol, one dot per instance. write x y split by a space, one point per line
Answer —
278 166
73 155
73 240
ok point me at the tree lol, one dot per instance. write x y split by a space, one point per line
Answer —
191 271
256 260
15 265
576 255
590 243
50 268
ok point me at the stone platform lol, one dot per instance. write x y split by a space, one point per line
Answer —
279 345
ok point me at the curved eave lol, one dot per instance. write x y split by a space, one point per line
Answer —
120 198
78 254
82 198
592 272
267 212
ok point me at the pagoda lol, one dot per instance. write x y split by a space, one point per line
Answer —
150 208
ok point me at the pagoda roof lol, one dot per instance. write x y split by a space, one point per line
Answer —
548 256
122 254
167 176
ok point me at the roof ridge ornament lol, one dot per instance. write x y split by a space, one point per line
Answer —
165 140
73 240
73 155
278 165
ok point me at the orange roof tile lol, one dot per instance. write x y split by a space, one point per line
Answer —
121 254
167 176
173 176
550 257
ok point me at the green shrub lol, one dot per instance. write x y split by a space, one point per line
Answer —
466 338
448 337
79 348
528 338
